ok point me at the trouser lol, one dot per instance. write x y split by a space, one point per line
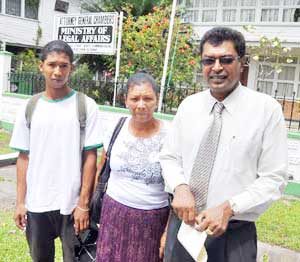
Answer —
41 231
238 243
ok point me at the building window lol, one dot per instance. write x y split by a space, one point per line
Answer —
229 15
0 6
265 87
269 15
235 11
287 73
22 8
209 15
291 2
248 2
197 3
282 84
13 7
209 3
229 3
247 15
32 8
270 2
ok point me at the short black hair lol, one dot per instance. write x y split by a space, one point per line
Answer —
57 46
141 77
217 35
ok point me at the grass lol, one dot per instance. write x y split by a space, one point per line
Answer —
13 246
280 225
4 142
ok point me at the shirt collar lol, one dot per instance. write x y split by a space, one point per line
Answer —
230 102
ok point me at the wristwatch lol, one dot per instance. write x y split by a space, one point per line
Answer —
233 207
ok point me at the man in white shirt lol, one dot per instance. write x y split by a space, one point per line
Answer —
54 178
250 163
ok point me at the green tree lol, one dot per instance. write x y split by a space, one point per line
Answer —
138 7
82 72
144 43
270 53
135 7
27 61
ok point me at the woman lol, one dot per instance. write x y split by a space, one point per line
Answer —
135 208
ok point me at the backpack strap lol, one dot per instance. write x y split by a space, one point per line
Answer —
81 114
31 104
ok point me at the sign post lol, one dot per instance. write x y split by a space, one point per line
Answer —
118 56
163 79
88 33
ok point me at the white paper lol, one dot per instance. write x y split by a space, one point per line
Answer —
193 241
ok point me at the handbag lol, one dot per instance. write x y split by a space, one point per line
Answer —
97 198
86 247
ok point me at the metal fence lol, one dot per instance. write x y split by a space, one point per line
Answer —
291 109
103 93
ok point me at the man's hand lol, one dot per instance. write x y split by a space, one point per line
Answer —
184 204
81 219
20 216
214 220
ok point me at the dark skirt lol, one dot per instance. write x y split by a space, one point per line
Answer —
128 234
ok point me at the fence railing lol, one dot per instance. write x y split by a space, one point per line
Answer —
291 109
103 93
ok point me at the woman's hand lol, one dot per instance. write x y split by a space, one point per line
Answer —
163 240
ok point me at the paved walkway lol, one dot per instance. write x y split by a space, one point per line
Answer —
7 187
8 196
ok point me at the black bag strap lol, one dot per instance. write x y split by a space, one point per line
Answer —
114 136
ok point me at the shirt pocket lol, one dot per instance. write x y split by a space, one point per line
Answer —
244 153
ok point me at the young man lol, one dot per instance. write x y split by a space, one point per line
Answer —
54 180
225 160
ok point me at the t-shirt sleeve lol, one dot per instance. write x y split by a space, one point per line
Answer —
21 135
93 130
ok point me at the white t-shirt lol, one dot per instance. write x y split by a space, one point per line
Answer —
53 141
135 178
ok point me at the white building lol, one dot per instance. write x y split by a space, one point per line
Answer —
22 20
271 18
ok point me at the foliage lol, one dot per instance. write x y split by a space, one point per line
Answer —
33 3
280 225
4 141
13 242
144 43
138 7
82 72
270 52
39 34
27 61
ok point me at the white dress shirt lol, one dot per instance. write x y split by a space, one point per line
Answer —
251 162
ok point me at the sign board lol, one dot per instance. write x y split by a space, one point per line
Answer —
88 33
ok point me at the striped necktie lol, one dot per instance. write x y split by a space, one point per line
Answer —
205 158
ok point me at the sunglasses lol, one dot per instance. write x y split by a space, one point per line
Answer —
223 60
